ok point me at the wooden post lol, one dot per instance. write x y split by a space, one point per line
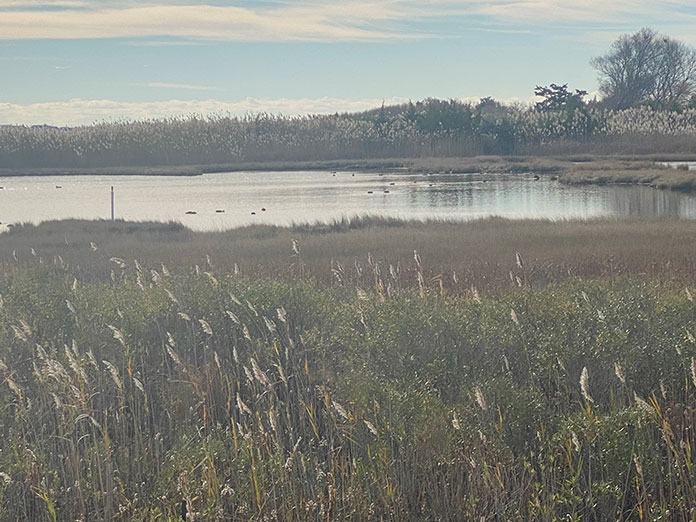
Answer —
112 204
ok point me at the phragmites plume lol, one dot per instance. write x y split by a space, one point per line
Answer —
118 261
513 316
242 406
480 399
689 296
289 461
475 294
171 296
248 374
690 336
118 335
93 246
259 374
642 404
340 410
212 279
639 467
618 370
14 387
70 306
585 385
371 427
296 249
456 424
270 325
175 357
519 260
114 374
246 333
693 371
138 384
205 326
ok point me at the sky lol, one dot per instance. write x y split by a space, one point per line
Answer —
74 62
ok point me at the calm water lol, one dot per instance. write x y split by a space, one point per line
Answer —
320 196
690 165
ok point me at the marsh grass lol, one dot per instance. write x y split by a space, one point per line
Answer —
253 398
616 171
459 256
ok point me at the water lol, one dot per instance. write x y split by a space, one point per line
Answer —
321 196
690 165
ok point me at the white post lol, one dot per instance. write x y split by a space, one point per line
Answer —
112 204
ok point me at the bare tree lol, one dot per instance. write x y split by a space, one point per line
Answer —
647 68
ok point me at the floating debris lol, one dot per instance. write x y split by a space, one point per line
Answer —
190 212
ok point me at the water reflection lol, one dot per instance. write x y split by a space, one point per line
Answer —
690 165
319 196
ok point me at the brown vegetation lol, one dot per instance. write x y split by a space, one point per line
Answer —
477 254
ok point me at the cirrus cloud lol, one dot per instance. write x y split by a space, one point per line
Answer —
310 20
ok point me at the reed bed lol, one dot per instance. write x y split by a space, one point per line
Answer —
477 254
160 391
431 128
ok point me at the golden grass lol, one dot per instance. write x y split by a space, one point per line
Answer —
477 253
616 171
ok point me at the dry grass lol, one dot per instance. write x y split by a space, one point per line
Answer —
616 171
480 253
129 390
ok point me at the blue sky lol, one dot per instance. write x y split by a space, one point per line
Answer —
71 62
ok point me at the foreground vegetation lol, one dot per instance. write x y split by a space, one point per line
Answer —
131 392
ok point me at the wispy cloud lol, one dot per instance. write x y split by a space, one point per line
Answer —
341 22
180 86
83 112
312 20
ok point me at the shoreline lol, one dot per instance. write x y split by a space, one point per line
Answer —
572 170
